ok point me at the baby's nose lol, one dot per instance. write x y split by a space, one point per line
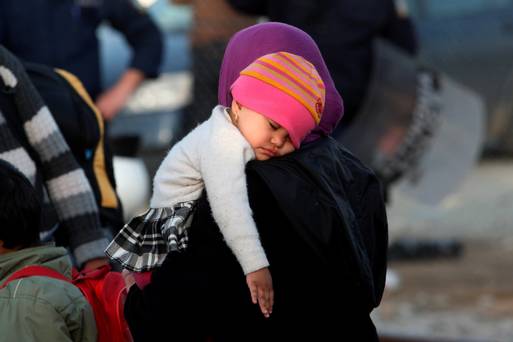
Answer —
279 138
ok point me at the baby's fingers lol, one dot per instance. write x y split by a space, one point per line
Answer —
271 301
253 290
264 301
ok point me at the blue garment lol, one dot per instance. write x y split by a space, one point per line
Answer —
62 33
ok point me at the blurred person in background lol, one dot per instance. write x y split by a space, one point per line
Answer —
213 25
63 34
31 140
82 126
345 31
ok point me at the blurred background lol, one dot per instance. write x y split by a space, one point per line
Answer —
438 127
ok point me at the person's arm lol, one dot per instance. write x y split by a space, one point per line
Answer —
145 39
71 323
250 7
223 158
111 101
95 263
223 171
65 181
97 258
80 321
375 234
38 325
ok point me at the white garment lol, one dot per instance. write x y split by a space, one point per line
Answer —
213 156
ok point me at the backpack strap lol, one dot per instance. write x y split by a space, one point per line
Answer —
35 270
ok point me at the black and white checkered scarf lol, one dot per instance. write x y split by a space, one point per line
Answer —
144 243
66 184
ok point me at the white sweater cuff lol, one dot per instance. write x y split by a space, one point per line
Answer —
250 254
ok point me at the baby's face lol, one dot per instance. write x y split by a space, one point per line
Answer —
267 138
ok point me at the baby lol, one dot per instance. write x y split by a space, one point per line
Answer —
277 100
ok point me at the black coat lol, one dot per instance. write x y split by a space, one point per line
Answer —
322 222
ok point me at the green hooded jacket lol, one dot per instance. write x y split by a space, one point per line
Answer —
42 308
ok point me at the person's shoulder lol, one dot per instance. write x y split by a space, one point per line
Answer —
358 178
220 118
43 288
196 136
333 150
323 159
223 132
47 302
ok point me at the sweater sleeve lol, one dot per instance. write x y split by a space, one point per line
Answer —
177 178
223 170
68 187
80 321
141 33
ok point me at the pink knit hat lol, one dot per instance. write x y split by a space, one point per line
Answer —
285 88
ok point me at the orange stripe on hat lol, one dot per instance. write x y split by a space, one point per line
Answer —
287 91
293 59
293 75
283 83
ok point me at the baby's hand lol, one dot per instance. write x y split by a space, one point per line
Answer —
260 286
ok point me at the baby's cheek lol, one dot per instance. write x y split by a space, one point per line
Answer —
286 149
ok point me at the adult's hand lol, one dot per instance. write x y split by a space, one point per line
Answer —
112 101
95 263
129 279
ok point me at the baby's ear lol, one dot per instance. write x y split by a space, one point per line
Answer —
236 107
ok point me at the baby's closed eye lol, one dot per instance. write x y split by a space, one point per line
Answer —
274 125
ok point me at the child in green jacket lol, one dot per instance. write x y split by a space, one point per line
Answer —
35 308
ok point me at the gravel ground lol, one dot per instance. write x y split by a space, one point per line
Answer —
471 297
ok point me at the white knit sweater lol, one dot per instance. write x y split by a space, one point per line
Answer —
213 156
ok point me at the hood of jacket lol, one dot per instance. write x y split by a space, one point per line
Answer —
50 256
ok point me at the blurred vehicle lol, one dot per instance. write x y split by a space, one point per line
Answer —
472 42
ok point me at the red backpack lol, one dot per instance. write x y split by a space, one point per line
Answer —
104 290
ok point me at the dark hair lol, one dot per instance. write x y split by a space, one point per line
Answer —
20 209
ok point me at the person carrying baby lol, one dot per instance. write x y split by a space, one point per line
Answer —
277 100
